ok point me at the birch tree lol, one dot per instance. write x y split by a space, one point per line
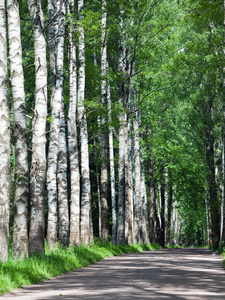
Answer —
20 227
137 186
121 136
72 139
38 162
104 142
62 185
56 36
85 216
5 179
112 171
128 204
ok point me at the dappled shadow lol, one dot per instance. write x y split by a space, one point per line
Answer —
165 274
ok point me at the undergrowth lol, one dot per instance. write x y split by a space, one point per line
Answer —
18 273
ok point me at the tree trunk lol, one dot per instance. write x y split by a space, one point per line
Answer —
56 38
153 217
214 214
5 179
128 204
122 128
170 201
121 178
104 139
20 225
144 225
222 230
38 163
162 213
175 224
72 140
130 162
62 183
84 153
112 172
137 187
223 140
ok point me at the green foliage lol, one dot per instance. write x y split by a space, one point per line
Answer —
16 274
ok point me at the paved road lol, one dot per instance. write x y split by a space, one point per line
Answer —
166 274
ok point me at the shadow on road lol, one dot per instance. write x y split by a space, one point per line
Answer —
165 274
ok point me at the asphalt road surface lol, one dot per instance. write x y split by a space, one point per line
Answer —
165 274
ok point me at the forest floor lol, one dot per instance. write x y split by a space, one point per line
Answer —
163 274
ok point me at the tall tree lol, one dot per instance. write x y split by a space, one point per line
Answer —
85 226
20 227
62 185
72 137
122 128
137 187
5 179
38 163
56 12
104 138
112 171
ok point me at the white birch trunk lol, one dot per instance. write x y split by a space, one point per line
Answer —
222 235
20 226
98 189
112 171
5 179
130 161
58 7
38 163
175 224
122 128
85 228
104 144
121 184
145 233
137 186
55 103
62 183
128 204
72 141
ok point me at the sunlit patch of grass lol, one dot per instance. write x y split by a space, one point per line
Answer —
16 274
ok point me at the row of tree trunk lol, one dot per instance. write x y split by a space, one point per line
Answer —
59 170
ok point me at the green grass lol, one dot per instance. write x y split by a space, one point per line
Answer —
16 274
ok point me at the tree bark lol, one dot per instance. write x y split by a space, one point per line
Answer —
121 178
170 201
62 183
112 171
153 217
122 127
56 37
20 225
38 163
72 139
214 214
104 138
162 213
128 204
137 187
85 228
223 141
5 179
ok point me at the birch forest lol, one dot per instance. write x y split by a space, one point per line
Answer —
112 123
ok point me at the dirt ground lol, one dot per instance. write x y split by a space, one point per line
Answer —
165 274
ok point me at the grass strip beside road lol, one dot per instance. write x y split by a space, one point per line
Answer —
18 273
